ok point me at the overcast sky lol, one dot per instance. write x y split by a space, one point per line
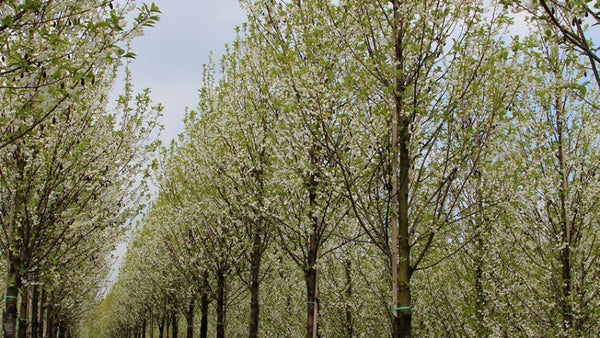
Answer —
170 55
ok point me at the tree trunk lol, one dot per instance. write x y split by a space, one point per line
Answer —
51 330
479 260
349 320
311 273
167 325
189 319
144 328
61 331
161 326
312 302
35 300
404 273
256 258
221 299
175 325
565 232
13 284
402 311
43 313
204 315
22 330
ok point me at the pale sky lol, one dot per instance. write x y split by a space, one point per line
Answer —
170 55
169 60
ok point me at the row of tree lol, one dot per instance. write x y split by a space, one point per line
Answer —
71 165
378 168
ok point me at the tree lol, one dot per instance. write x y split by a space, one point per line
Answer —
412 143
554 149
568 21
64 183
53 53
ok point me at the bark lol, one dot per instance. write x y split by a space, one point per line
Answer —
221 309
22 329
143 333
310 273
404 273
50 329
43 313
402 312
349 320
174 325
479 259
189 319
167 325
256 259
35 308
204 315
312 302
61 331
479 295
13 281
13 284
565 254
161 326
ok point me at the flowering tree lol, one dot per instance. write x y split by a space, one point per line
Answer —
54 52
373 168
64 183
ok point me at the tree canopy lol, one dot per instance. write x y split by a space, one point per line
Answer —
352 168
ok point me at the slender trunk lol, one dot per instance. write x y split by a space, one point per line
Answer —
204 315
143 333
42 329
167 325
13 284
349 320
256 258
151 326
311 273
479 295
312 301
61 331
22 330
189 319
13 281
174 325
221 310
565 252
35 300
51 323
161 326
402 311
479 261
404 272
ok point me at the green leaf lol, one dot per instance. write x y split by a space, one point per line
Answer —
154 8
130 55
